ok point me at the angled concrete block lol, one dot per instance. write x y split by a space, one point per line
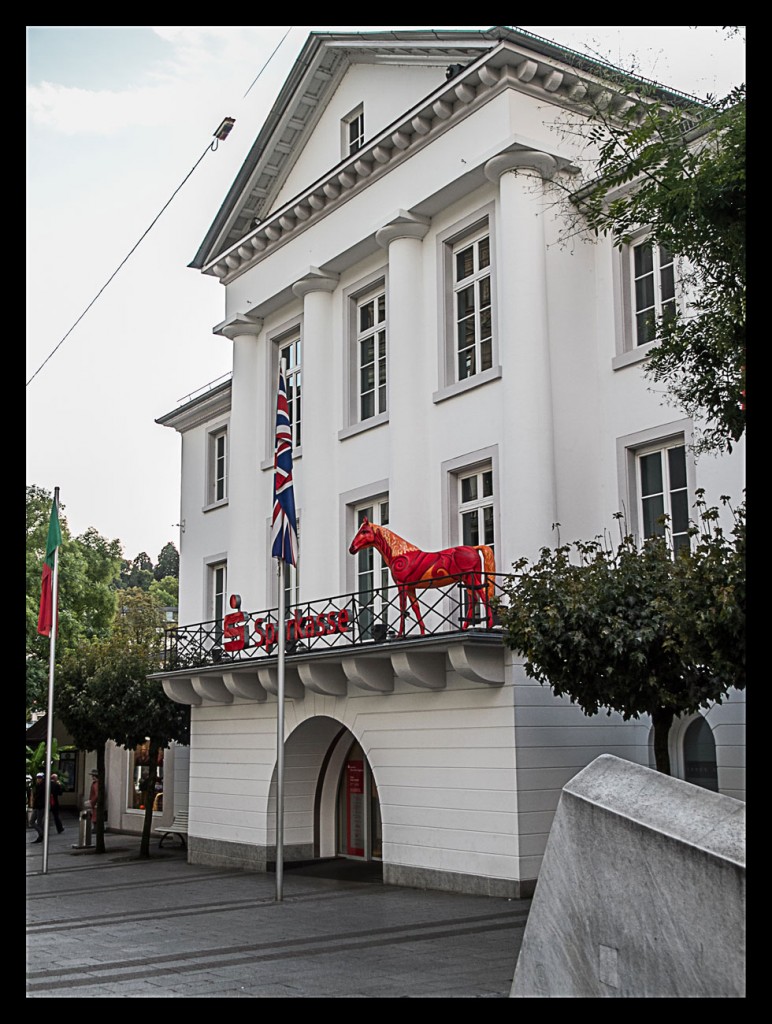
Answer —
641 892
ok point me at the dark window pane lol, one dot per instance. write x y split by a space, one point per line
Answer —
486 356
484 253
676 458
488 524
464 263
366 316
644 262
485 291
468 489
381 308
667 283
465 302
487 483
644 293
653 510
367 349
679 512
651 474
470 528
645 327
466 364
368 405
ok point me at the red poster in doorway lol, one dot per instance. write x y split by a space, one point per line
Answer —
355 808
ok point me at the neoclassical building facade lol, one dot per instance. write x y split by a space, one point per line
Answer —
461 370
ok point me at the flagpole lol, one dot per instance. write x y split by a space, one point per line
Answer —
50 711
280 739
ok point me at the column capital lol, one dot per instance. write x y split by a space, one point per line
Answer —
239 324
315 280
521 160
402 225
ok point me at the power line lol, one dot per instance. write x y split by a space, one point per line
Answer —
220 135
212 146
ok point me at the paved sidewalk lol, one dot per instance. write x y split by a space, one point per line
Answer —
113 925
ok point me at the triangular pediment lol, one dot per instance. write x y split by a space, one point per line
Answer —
317 74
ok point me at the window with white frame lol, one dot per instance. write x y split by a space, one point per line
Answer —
371 353
663 492
353 131
218 466
475 507
218 573
472 304
372 574
653 288
289 351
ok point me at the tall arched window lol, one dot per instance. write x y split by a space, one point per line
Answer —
700 755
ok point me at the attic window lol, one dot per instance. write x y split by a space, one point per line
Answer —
353 131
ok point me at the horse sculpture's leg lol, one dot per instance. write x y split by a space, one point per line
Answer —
416 609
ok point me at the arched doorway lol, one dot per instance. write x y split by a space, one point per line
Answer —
358 810
336 810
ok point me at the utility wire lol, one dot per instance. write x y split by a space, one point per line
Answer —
212 146
221 133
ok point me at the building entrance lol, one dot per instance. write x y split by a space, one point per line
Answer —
358 825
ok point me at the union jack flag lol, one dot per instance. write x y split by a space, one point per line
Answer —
284 527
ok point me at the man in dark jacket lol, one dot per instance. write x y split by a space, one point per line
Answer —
56 791
39 806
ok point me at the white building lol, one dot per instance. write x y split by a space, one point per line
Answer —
465 376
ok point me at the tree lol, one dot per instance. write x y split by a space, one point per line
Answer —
84 707
143 711
168 563
137 572
633 629
166 590
88 568
677 167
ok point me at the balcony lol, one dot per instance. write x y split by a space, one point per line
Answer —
353 639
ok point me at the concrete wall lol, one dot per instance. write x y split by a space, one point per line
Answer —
641 891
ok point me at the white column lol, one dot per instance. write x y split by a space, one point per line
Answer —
527 484
245 510
316 492
409 393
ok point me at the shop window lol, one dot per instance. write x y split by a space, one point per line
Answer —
139 773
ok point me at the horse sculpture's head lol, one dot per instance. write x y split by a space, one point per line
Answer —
365 537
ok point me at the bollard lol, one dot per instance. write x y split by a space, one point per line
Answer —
84 829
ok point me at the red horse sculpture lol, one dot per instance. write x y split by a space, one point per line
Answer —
412 569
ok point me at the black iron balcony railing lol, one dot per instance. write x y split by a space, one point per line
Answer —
349 620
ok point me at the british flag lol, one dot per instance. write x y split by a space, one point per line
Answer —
284 528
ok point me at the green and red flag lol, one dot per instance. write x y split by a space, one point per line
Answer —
46 613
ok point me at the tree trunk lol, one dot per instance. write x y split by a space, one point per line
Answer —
662 719
147 825
99 844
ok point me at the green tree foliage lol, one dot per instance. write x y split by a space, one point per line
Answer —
87 569
83 705
166 591
146 713
168 563
137 572
677 168
104 693
632 629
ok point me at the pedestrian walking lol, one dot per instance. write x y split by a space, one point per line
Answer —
39 806
56 791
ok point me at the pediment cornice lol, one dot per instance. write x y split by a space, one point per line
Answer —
504 66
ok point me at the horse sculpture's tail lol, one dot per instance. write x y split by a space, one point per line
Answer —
489 566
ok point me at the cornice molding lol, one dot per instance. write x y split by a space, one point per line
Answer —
505 66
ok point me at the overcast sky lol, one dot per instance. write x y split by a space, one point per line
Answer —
117 118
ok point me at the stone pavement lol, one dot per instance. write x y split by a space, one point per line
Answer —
117 926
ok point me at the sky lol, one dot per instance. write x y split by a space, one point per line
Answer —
122 186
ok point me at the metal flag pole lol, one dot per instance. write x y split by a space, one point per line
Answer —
50 711
280 740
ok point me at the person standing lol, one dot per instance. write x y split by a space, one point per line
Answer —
39 806
56 791
93 794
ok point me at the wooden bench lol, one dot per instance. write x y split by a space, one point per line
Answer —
178 827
